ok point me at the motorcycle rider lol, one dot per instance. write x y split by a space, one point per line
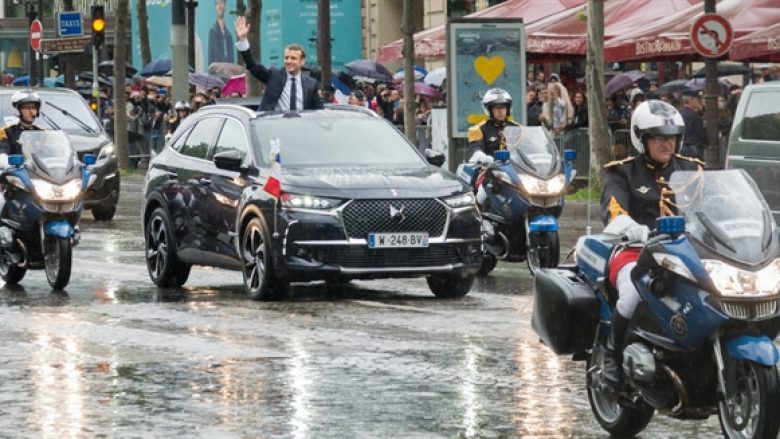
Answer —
26 104
181 110
633 196
487 137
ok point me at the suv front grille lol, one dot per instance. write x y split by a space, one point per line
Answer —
362 217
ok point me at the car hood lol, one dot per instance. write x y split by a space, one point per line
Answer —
372 182
85 142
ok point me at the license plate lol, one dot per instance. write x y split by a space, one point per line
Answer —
398 240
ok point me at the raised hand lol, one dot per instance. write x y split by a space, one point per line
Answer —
242 28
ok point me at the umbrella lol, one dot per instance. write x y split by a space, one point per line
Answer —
224 70
697 84
21 80
87 77
436 76
419 73
59 81
368 68
160 81
162 66
107 68
674 86
205 81
423 89
726 69
235 84
622 80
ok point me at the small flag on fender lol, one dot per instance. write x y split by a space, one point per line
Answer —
273 185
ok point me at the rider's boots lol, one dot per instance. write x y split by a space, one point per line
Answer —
613 358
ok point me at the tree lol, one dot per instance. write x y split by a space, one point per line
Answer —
120 101
143 32
410 128
597 118
254 87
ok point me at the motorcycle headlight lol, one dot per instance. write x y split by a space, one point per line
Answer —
463 200
537 186
293 201
53 192
106 152
732 281
674 264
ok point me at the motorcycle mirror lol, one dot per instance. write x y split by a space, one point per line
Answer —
15 159
501 155
670 225
90 159
569 155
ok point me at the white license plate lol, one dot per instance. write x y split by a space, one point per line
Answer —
398 240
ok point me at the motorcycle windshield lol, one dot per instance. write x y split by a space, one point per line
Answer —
725 212
49 154
532 150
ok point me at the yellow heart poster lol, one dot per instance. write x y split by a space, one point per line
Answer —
489 69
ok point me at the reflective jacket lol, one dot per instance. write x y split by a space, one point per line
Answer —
487 136
9 137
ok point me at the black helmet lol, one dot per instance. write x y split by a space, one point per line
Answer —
25 97
497 96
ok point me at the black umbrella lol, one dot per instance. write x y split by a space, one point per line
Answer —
159 67
674 86
107 68
102 80
369 69
725 69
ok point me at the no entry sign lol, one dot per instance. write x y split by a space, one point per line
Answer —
711 35
36 35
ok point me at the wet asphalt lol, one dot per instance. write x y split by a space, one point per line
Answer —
113 356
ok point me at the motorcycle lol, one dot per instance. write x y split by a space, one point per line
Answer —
43 204
520 196
701 340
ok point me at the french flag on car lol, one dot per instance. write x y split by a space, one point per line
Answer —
273 185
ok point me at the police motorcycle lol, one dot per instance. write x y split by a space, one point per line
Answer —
520 197
701 340
43 190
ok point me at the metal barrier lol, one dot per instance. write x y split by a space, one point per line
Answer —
423 136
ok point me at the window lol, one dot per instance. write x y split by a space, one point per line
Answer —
176 145
762 117
200 138
232 137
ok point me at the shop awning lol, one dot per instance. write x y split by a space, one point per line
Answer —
669 37
431 43
761 45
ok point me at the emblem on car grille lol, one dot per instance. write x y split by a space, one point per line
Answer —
397 215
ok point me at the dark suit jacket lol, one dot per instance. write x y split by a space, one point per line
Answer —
275 79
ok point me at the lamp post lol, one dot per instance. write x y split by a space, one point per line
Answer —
29 9
191 5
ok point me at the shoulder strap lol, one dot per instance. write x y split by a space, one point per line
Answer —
614 163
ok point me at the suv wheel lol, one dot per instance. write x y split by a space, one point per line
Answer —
260 280
165 269
450 286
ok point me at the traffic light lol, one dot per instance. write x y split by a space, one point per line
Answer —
98 25
93 103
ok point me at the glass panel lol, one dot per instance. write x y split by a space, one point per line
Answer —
762 116
200 138
233 137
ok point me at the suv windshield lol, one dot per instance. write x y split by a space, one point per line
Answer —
76 117
337 139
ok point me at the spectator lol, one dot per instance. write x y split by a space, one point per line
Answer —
135 128
533 109
423 111
580 119
695 136
356 98
617 117
636 97
725 117
198 100
546 117
560 112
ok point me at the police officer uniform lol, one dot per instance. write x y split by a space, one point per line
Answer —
487 136
9 137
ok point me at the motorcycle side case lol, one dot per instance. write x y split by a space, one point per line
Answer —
566 311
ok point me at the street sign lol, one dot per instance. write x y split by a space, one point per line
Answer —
711 35
36 35
65 45
69 24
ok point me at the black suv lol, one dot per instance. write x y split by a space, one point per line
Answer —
357 201
64 109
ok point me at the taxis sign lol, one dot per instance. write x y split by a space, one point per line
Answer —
69 24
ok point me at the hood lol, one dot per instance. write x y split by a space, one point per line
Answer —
84 142
372 182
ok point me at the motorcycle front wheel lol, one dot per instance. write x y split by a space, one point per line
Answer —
752 411
57 260
11 273
544 250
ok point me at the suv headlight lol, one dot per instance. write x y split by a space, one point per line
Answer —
537 186
293 201
106 152
731 281
462 200
54 192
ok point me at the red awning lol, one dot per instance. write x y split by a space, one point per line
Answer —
431 43
566 33
761 45
669 38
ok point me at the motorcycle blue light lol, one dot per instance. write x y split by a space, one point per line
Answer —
670 225
501 155
90 159
15 159
569 155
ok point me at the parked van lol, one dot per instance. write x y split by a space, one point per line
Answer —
754 143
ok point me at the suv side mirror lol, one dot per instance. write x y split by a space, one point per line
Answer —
434 157
228 160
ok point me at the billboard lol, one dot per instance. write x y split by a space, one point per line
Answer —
283 22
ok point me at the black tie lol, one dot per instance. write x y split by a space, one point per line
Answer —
293 94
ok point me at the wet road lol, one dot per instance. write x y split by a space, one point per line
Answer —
115 357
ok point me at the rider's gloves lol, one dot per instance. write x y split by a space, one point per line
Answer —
480 157
625 225
3 161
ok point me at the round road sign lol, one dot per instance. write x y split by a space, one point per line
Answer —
36 35
711 35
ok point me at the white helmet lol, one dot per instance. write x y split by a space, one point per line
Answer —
24 97
182 106
656 118
497 96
